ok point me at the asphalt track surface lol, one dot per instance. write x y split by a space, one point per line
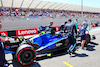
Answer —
90 57
23 23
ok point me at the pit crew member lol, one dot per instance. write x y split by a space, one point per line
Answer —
69 28
2 54
62 26
48 28
82 33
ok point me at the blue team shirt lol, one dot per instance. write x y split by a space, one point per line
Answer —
82 29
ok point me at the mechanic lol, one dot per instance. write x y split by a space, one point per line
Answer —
82 33
62 26
76 24
2 54
69 27
48 28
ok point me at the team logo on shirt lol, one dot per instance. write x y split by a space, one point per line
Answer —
7 47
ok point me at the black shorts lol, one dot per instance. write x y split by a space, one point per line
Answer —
83 37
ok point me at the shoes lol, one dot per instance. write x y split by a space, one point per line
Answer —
83 48
5 61
73 53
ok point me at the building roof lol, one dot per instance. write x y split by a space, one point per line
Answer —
32 4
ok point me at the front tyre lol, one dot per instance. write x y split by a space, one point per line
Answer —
26 54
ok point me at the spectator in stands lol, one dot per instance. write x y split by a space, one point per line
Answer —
2 54
43 13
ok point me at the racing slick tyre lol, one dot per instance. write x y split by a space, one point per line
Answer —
88 39
26 54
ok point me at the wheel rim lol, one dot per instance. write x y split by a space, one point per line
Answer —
27 56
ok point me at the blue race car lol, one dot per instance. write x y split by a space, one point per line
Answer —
26 50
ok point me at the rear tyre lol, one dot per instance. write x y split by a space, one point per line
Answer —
26 54
88 39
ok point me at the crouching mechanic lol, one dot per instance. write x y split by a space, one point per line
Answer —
69 28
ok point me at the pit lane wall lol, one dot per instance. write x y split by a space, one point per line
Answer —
25 32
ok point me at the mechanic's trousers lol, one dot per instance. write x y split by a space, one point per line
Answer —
72 42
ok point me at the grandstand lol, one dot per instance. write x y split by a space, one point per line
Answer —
18 12
33 4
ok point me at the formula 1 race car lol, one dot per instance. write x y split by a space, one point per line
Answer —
25 51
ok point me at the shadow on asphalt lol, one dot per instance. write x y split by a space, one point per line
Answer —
91 46
80 55
94 43
17 64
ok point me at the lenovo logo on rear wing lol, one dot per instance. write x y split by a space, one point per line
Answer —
25 32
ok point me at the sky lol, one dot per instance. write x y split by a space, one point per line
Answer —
89 3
